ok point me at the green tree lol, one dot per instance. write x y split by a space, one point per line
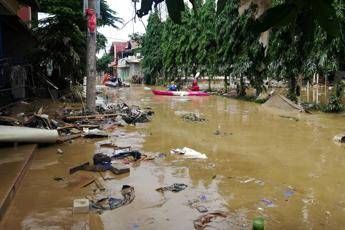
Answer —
62 38
104 61
137 37
206 39
152 63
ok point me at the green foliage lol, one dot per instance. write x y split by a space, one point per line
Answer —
101 42
137 37
322 11
152 63
228 45
335 102
102 63
62 38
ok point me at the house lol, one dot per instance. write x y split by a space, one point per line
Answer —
129 68
127 60
117 49
16 41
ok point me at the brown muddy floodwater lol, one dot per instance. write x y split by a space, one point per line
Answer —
284 167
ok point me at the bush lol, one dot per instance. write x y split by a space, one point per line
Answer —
335 104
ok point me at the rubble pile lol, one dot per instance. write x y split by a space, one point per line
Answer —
73 123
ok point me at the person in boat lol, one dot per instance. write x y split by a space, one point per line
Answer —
195 86
106 77
172 86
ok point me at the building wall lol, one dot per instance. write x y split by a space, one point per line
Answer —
16 42
135 70
123 73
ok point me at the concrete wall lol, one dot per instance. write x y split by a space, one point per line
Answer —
135 70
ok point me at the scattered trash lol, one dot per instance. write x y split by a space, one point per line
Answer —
131 114
100 158
113 146
118 169
259 223
10 121
177 187
203 198
110 203
340 138
202 209
81 206
189 153
88 117
147 88
247 180
102 163
259 182
217 132
194 117
59 151
78 167
59 178
196 204
94 133
268 203
68 138
88 183
41 121
135 154
290 118
288 193
99 185
202 221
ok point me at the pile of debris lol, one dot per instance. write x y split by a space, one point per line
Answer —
69 123
189 116
130 114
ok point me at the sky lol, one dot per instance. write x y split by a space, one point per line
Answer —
124 10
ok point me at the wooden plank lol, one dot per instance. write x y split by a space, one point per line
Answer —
97 116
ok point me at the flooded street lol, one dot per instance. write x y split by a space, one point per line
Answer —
261 162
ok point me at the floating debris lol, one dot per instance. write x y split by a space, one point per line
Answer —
110 203
202 221
340 138
268 203
194 117
177 187
189 153
59 151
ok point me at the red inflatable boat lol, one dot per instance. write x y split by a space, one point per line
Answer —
179 93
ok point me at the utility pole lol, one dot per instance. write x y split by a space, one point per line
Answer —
91 56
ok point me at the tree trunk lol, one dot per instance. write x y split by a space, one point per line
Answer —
226 83
209 83
91 66
292 89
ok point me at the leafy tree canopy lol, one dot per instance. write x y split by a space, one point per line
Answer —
62 38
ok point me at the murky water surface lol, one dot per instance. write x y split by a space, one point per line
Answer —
284 167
